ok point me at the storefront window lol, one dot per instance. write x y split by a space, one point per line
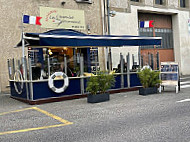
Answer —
62 59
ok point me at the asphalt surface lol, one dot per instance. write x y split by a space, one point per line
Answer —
127 117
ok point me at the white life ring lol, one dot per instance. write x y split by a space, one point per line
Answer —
51 82
18 78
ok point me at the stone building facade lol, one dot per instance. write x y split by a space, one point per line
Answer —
170 17
11 20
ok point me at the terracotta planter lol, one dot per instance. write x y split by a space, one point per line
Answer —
147 91
98 98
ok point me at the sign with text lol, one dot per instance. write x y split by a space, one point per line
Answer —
169 73
59 18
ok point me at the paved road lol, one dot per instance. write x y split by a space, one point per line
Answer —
127 117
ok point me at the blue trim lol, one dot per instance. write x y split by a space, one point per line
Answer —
125 81
134 80
41 89
97 42
24 92
117 82
82 39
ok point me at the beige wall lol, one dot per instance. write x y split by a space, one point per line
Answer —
121 25
11 14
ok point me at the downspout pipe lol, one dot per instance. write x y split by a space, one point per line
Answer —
109 49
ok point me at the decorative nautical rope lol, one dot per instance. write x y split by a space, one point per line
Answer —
51 82
18 80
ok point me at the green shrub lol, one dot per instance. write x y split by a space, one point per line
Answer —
100 83
149 78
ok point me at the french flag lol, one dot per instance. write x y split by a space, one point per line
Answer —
35 20
146 24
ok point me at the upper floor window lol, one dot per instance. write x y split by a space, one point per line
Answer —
159 2
182 3
135 0
166 34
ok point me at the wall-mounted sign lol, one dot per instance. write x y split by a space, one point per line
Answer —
58 18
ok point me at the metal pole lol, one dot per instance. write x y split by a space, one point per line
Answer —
128 70
25 65
30 78
158 61
133 59
9 69
96 60
13 60
108 14
48 66
122 76
82 73
25 76
152 61
23 52
109 61
65 63
142 62
109 48
139 55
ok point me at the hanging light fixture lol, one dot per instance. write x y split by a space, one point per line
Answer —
50 52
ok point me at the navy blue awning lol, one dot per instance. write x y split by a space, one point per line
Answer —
63 37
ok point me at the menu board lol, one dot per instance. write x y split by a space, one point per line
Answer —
169 73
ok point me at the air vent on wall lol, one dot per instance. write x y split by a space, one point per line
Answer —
84 1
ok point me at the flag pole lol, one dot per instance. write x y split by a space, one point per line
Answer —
22 30
23 47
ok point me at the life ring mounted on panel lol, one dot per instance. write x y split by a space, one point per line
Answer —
18 82
51 82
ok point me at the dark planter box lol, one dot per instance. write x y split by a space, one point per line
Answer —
147 91
98 98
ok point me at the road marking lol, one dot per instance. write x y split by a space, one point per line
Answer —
185 86
185 78
184 82
185 100
65 122
32 129
4 113
51 115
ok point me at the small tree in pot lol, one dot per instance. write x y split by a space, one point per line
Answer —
149 80
98 85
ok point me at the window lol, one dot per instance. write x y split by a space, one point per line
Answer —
135 0
147 32
84 1
182 3
166 34
167 37
159 2
94 60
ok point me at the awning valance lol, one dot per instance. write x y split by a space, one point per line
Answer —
63 37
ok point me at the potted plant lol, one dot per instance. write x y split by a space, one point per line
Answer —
149 80
97 87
